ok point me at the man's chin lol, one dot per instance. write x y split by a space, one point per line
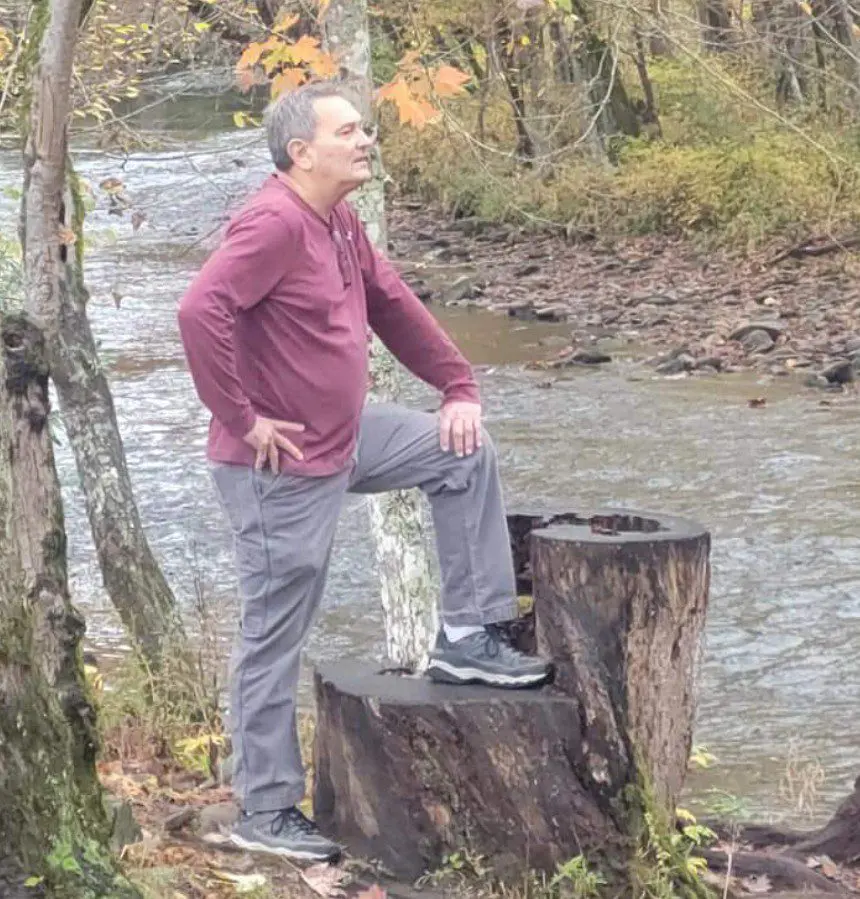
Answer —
360 178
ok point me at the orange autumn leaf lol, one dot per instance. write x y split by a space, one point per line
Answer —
250 57
304 50
392 91
323 65
448 81
288 80
412 109
67 236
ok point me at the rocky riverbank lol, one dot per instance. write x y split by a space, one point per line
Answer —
692 313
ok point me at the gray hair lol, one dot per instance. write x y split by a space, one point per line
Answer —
292 117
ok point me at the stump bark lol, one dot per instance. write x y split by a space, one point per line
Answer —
407 771
620 604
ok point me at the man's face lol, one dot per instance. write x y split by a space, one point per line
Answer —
339 154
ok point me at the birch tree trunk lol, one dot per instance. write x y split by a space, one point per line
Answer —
408 596
53 825
56 299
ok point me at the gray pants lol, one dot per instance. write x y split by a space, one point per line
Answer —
283 527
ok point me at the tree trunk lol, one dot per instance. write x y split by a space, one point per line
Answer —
615 113
650 118
408 595
849 59
56 298
53 824
611 113
716 24
783 23
502 52
619 601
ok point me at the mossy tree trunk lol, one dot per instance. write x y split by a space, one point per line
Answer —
53 830
408 597
51 218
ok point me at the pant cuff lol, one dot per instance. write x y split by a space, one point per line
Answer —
494 615
272 800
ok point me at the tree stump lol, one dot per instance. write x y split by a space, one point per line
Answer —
620 604
407 771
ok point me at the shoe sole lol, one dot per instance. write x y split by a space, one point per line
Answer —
451 674
283 852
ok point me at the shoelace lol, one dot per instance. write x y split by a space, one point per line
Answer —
294 819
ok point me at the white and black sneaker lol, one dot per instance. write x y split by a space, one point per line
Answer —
287 833
485 658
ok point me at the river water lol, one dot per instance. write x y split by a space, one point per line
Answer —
777 486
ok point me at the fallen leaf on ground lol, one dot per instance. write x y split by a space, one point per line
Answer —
375 892
217 839
244 883
757 883
324 879
829 868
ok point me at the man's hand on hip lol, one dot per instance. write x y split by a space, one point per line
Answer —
460 427
267 439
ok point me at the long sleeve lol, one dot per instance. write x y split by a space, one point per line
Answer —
238 275
406 327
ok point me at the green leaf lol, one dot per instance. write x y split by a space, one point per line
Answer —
566 5
202 26
33 881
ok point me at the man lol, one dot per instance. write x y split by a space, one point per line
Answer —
275 328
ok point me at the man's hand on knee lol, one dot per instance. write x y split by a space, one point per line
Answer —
460 427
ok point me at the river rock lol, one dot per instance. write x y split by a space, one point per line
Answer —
676 365
448 254
217 818
554 341
179 819
757 341
840 371
714 362
660 299
470 225
554 313
589 357
814 380
524 271
521 309
772 328
462 289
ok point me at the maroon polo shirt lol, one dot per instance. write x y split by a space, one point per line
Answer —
276 324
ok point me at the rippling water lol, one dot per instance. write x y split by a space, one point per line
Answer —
777 485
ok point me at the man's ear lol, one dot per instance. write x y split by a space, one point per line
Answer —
297 150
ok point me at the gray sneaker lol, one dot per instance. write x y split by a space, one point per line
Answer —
287 833
485 658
